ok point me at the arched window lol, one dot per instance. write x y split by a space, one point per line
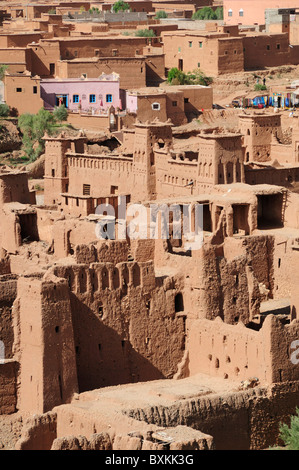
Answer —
241 12
230 12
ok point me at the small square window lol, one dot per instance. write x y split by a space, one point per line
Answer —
277 46
92 98
179 49
186 100
96 52
174 103
19 90
75 98
35 90
268 47
200 44
76 53
156 106
198 64
109 98
190 43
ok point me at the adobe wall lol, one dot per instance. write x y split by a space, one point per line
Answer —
130 69
8 387
8 293
47 355
39 432
125 327
230 287
154 68
23 93
176 47
250 418
230 55
43 54
125 47
14 188
273 176
86 121
259 131
266 51
145 111
227 351
86 169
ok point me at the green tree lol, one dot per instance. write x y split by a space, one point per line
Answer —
60 113
120 5
176 77
259 87
145 33
52 11
198 77
161 14
219 13
205 13
4 110
33 128
94 10
3 68
290 434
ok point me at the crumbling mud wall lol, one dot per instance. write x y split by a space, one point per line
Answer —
125 324
8 367
227 351
8 387
240 420
8 293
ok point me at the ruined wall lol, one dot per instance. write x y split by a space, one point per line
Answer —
8 293
227 351
230 287
14 188
237 421
125 326
8 387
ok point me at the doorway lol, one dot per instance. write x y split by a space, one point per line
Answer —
62 99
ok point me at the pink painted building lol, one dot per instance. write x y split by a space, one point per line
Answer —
87 94
250 12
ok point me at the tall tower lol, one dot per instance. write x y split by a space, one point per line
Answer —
56 164
147 137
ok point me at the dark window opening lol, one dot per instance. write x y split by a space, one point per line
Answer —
179 303
29 231
270 211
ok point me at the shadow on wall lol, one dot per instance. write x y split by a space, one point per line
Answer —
104 357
